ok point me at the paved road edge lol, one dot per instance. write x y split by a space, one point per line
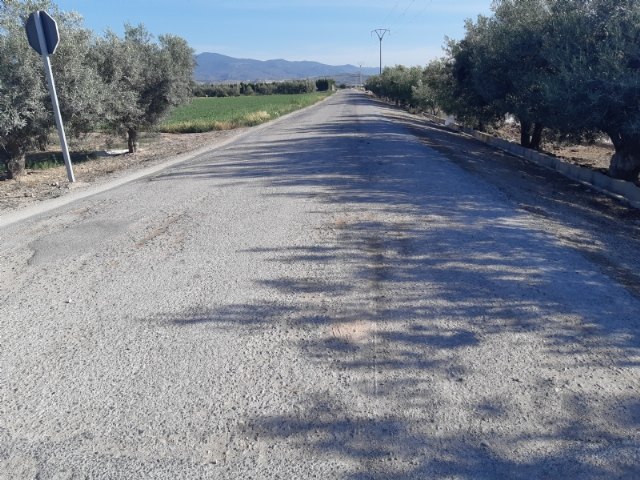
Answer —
619 189
22 214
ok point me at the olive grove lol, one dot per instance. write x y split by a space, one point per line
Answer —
570 67
121 85
26 116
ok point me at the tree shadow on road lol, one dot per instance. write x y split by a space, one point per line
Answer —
433 301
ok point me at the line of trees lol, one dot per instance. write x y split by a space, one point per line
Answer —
122 84
407 86
287 87
569 67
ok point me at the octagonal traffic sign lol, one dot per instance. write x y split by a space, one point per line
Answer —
49 29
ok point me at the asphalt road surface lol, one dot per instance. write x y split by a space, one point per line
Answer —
345 293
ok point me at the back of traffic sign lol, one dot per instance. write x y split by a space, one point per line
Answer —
49 28
42 33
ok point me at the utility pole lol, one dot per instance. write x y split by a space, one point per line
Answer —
381 32
360 84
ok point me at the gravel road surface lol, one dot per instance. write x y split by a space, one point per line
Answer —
346 293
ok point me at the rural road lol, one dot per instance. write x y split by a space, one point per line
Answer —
347 293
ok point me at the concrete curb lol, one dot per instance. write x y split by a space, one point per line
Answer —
619 189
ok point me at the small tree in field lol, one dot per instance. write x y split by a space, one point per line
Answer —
144 79
325 84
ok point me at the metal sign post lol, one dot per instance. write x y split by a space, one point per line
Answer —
42 33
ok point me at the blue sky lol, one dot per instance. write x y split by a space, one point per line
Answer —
329 31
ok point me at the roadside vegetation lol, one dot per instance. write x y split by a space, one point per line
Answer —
110 83
563 69
120 86
567 70
263 88
206 114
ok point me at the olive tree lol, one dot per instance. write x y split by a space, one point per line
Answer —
424 95
500 67
571 65
594 47
511 64
401 84
143 78
26 116
456 81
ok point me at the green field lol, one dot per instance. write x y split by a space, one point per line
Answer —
206 114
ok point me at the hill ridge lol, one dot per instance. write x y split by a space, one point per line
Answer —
215 67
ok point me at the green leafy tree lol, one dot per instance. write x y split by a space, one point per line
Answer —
397 84
26 117
510 63
594 47
457 84
499 68
427 93
292 87
144 79
571 65
325 84
437 77
374 84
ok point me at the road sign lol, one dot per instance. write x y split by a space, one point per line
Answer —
49 28
45 41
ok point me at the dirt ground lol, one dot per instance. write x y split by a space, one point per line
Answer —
593 156
97 159
596 156
95 165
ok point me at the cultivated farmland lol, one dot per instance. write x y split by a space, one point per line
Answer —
206 114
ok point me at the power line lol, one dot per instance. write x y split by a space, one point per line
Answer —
420 12
400 13
391 11
413 18
404 12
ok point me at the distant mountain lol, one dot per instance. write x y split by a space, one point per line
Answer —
215 68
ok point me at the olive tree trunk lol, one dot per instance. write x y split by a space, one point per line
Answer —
525 135
14 159
132 140
531 134
625 162
536 136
